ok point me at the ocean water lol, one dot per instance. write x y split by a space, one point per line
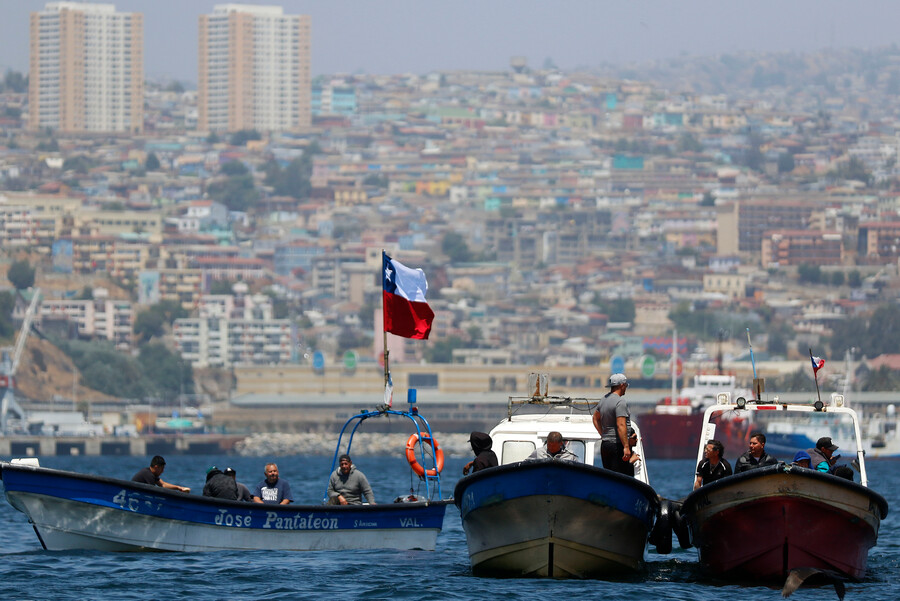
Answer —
28 572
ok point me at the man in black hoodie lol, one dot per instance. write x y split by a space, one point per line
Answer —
219 485
484 456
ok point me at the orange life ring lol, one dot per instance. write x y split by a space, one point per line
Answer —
411 443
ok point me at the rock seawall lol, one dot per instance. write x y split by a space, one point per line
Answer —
364 443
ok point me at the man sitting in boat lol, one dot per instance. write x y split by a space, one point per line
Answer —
243 491
801 459
612 420
756 456
151 475
554 448
348 485
822 458
273 490
484 456
713 466
219 486
635 460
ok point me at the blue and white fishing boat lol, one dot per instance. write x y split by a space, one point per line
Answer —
557 519
80 511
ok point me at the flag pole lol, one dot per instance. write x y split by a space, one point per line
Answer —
756 382
815 376
387 370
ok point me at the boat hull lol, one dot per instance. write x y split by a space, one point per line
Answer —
761 524
555 520
76 511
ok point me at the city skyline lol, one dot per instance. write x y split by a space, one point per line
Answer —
398 36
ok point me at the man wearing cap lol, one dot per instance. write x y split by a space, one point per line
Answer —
612 420
151 475
801 459
243 491
219 485
348 485
484 456
822 458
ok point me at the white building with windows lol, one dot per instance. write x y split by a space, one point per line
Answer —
86 69
254 69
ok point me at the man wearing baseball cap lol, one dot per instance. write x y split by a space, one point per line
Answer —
822 458
612 420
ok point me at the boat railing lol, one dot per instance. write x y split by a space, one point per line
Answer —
426 446
576 403
741 405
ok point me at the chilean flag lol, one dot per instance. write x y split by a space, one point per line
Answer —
817 364
406 313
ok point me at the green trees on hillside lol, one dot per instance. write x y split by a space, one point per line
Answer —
21 275
156 372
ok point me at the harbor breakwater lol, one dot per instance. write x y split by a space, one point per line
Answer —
364 443
254 445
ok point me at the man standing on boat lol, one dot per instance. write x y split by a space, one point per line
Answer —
272 490
756 456
348 485
151 475
554 448
612 420
713 466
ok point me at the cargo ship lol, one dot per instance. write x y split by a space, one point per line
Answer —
671 429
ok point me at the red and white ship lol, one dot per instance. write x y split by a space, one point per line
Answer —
671 429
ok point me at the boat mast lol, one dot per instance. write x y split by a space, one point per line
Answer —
674 362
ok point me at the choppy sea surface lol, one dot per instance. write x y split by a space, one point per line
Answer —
28 572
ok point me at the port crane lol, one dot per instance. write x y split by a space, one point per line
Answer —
9 363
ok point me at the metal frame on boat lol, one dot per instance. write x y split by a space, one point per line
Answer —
551 518
80 511
763 523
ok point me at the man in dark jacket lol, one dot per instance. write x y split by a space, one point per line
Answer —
484 456
756 456
219 485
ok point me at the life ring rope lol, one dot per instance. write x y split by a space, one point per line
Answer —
417 467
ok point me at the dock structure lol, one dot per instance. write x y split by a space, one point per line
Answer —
187 444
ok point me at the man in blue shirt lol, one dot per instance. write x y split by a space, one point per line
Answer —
272 490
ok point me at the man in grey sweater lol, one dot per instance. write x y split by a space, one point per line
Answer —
348 485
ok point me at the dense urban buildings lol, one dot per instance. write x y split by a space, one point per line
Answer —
86 69
254 70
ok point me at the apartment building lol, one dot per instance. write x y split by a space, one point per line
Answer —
879 242
86 69
254 69
100 318
801 247
223 342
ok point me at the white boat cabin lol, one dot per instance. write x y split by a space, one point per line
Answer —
517 436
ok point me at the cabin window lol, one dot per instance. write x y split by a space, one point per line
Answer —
577 447
516 450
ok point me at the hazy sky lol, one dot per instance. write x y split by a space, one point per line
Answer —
418 36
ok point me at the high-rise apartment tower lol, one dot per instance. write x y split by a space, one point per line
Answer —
253 69
86 71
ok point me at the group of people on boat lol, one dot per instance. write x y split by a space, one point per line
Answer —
612 420
714 466
346 486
